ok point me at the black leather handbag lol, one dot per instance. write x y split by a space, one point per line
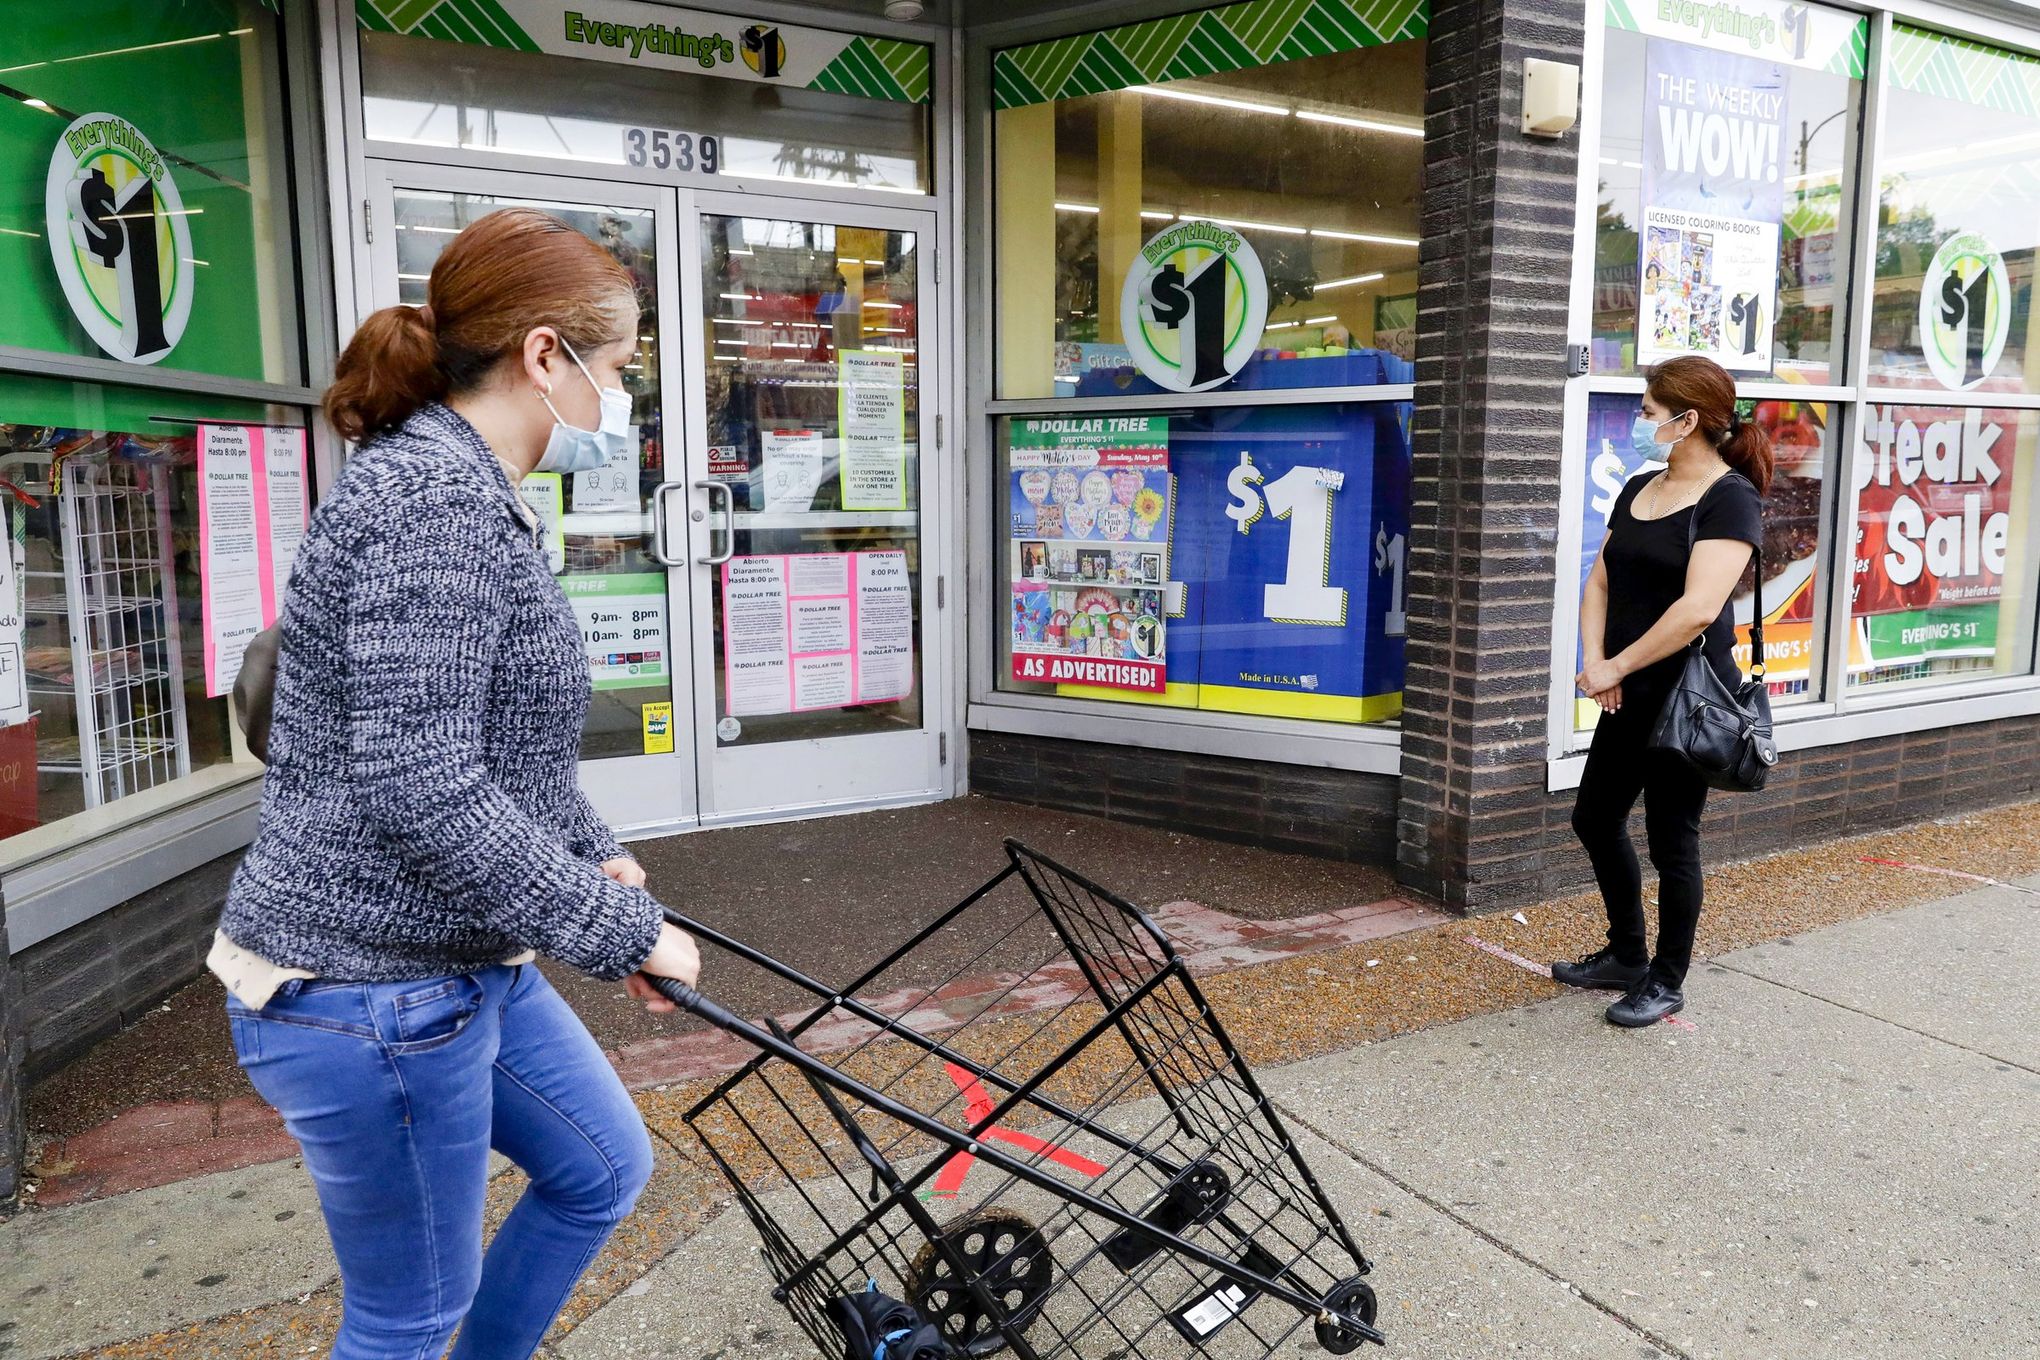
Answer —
1723 733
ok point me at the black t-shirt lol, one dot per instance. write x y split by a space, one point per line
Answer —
1646 561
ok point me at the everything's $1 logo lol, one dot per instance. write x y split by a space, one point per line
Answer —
119 238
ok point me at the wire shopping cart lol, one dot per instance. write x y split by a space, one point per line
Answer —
1028 1124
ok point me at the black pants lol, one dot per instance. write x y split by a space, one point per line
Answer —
1619 768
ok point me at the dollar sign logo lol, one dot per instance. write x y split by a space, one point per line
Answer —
93 218
1954 305
1240 484
1381 548
1169 300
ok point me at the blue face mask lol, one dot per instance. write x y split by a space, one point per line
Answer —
1643 438
573 449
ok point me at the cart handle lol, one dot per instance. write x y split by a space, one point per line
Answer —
693 1002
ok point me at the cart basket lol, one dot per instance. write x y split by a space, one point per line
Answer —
1027 1125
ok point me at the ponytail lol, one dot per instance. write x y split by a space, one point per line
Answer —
501 278
388 370
1746 448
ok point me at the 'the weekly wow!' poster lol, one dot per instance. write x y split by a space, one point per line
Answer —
1713 199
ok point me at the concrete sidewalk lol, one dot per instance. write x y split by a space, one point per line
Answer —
1840 1157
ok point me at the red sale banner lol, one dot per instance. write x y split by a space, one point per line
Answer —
1933 507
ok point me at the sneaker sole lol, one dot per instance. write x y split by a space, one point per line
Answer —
1614 1019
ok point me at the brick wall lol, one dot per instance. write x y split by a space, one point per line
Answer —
1331 813
87 983
1485 442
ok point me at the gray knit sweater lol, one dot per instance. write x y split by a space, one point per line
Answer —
421 813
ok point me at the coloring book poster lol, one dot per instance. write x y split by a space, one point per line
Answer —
1713 199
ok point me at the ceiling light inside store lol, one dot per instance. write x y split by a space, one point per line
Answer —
1189 97
1364 124
16 231
436 231
37 104
1369 237
1341 283
1076 207
740 297
1319 320
886 306
1157 216
1247 226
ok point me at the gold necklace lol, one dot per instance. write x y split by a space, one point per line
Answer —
1656 499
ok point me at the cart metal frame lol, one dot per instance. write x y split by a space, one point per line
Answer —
1189 1221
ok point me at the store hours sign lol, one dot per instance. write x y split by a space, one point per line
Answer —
119 238
1193 305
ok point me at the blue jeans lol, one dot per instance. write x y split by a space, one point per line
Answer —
397 1091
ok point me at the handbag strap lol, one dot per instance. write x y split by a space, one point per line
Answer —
1757 613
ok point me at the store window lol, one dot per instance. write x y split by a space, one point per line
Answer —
1958 218
762 101
1105 143
1803 440
1725 183
149 215
1945 534
1235 559
1189 208
1945 475
122 598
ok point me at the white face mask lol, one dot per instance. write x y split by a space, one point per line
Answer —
573 449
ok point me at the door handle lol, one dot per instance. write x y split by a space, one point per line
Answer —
661 525
711 487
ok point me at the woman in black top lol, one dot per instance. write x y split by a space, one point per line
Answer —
1648 597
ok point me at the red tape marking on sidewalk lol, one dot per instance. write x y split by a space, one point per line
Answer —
1948 873
1544 970
978 1104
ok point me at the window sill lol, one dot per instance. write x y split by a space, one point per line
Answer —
1894 718
58 876
1363 748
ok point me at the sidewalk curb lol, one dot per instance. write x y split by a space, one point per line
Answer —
156 1144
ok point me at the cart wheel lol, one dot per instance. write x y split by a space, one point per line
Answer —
1006 1254
1354 1296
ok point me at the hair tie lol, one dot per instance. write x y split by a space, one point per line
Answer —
426 315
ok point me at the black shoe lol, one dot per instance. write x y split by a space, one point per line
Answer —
1648 1002
1599 969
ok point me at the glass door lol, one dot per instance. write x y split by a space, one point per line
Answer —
806 373
622 567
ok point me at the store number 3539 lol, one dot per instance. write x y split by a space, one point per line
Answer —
663 150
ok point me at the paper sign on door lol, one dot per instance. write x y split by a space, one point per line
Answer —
807 631
252 511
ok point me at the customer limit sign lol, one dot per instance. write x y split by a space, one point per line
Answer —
1193 305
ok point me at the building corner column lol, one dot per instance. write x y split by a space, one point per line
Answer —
1486 437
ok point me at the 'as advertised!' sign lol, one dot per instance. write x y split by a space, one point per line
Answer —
119 238
1193 305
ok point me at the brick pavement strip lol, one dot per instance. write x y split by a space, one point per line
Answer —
170 1140
1282 1007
